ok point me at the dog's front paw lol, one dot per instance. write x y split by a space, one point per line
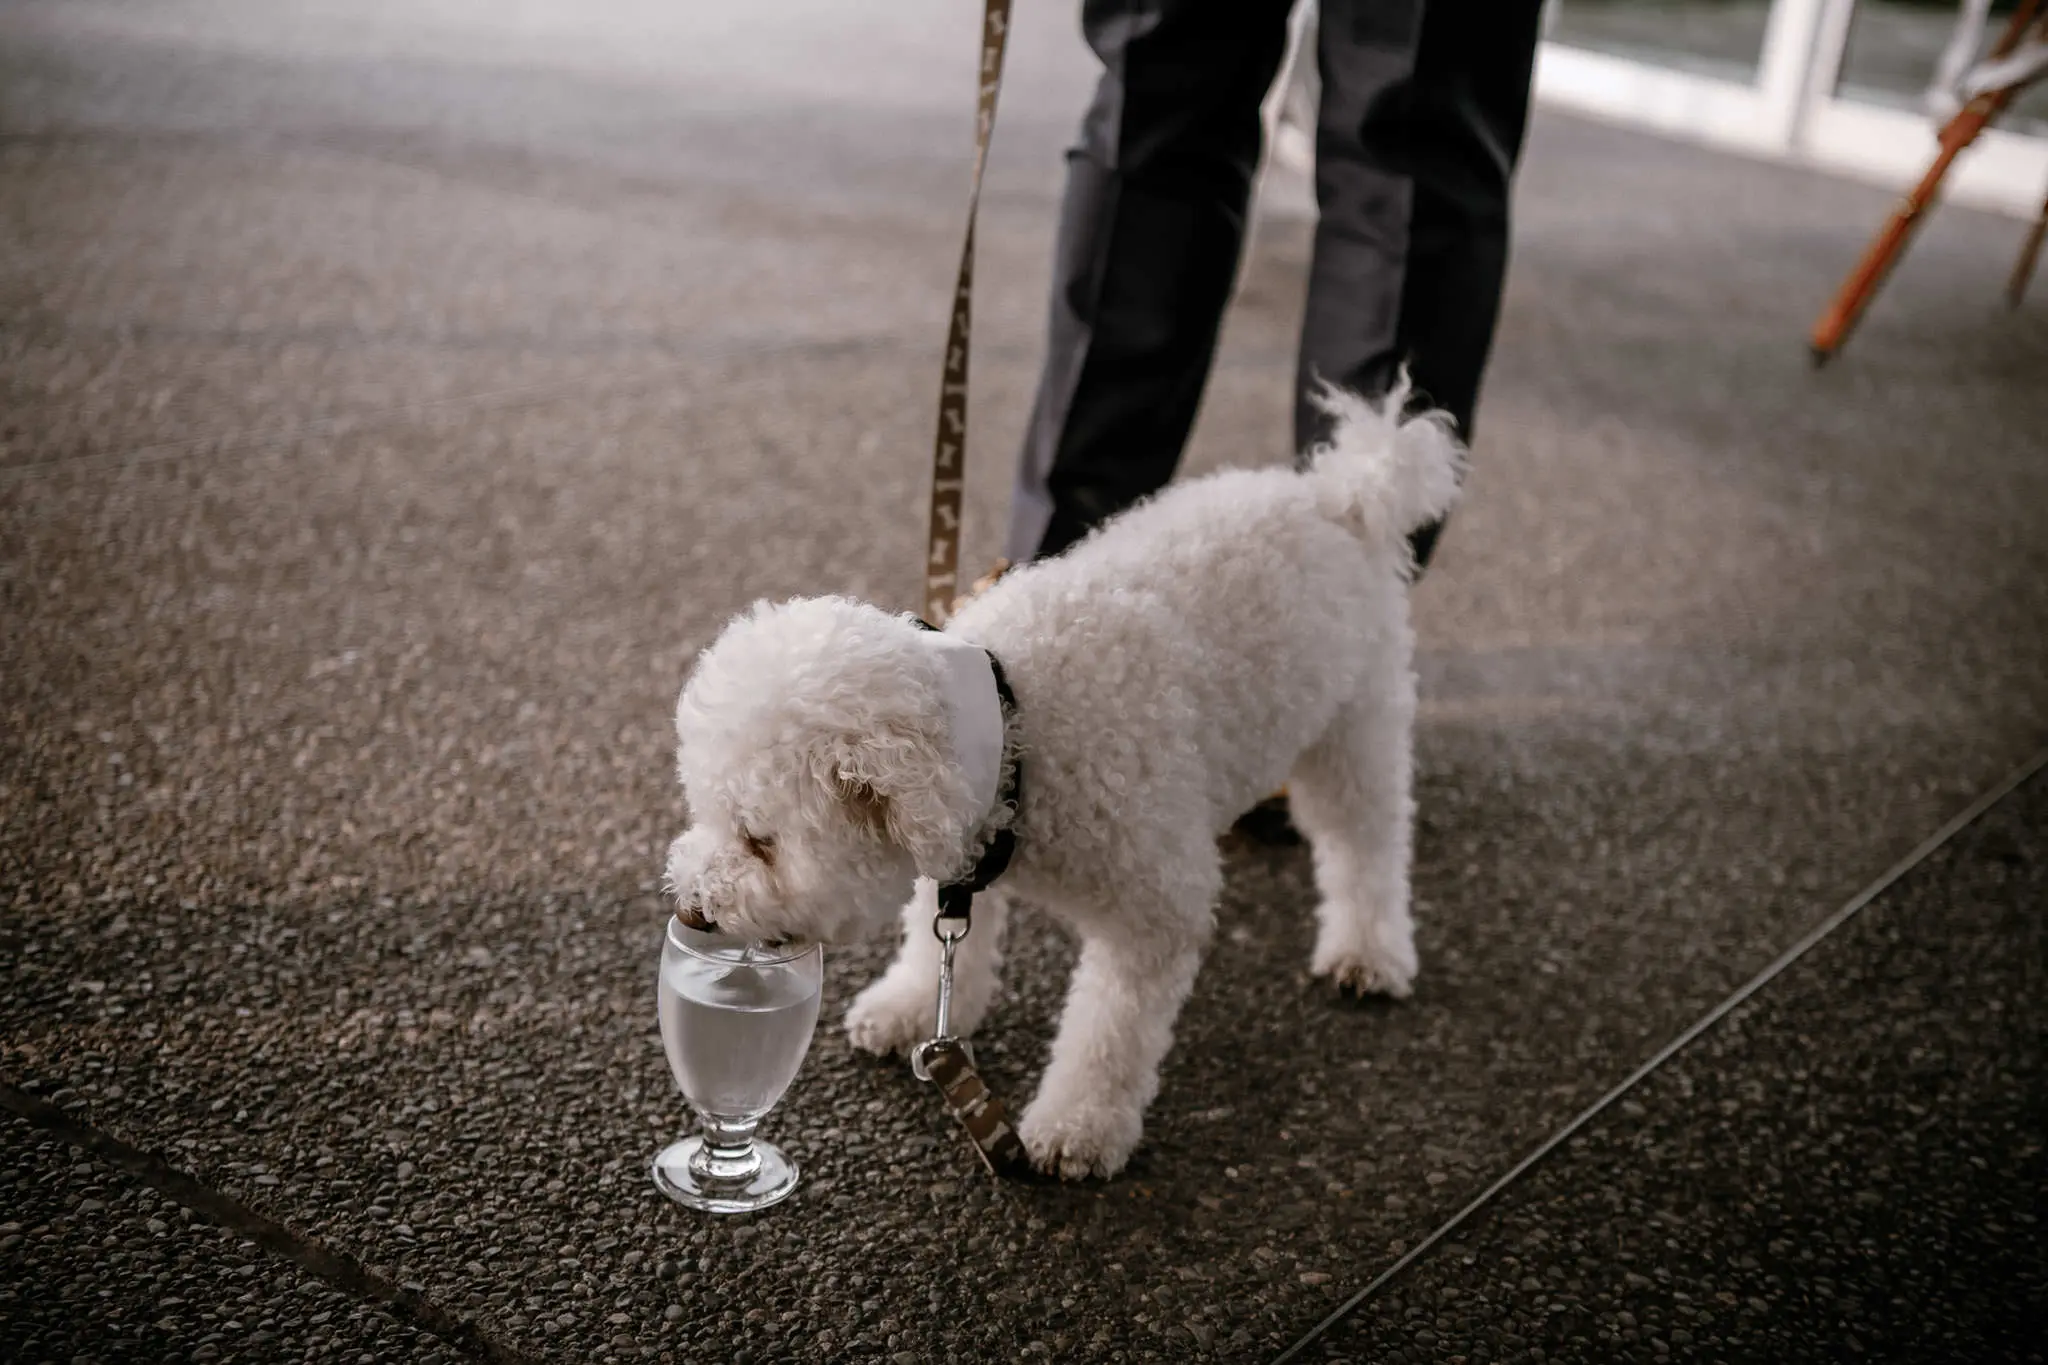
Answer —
1368 963
891 1015
1075 1142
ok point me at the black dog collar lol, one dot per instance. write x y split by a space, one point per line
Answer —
955 897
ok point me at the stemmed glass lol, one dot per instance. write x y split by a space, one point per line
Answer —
736 1021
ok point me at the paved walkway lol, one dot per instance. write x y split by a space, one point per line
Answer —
394 397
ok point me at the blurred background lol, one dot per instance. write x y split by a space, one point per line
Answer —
1836 84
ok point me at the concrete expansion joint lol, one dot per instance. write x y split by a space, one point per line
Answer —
403 1302
1927 847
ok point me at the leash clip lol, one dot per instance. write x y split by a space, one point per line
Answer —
949 926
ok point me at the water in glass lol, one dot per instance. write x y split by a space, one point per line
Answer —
736 1021
735 1034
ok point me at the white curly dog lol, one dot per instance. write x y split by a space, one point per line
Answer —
1238 631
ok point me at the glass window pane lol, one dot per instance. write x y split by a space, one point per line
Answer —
1895 44
1723 38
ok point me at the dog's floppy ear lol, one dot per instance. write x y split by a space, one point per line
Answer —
900 782
869 808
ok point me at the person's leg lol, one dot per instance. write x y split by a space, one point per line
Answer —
1424 105
1149 237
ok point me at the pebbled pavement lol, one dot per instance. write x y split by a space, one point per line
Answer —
1849 1167
97 1267
393 398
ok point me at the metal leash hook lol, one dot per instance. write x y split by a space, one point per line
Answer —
949 930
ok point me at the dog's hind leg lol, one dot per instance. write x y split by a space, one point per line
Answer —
899 1009
1349 793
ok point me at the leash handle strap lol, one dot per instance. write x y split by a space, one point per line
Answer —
981 1115
949 450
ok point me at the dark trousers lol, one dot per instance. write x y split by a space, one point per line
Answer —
1421 118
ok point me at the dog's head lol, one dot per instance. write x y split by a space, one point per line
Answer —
815 754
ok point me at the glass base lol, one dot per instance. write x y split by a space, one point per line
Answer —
680 1172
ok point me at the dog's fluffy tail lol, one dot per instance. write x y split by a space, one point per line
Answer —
1384 473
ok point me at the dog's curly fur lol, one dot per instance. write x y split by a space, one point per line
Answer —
1238 631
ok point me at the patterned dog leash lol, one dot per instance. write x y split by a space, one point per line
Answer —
949 453
944 1059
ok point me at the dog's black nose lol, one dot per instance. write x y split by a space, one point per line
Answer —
690 915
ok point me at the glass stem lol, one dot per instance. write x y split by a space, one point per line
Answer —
728 1153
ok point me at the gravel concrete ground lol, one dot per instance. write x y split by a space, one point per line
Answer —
393 397
103 1268
1850 1167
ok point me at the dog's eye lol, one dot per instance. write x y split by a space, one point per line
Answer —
762 846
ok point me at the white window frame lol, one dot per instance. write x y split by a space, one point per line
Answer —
1791 112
